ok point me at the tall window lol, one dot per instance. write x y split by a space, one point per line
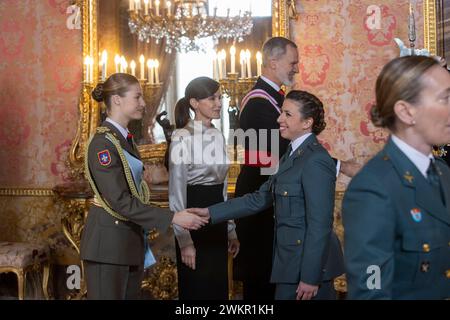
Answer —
195 64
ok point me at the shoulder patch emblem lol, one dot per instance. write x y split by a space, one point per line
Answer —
104 157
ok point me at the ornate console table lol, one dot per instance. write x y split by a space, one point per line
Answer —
160 280
75 197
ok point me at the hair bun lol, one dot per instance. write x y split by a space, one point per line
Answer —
97 93
375 116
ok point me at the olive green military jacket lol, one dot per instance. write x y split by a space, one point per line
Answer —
105 238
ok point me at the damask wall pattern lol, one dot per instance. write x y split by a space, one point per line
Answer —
40 75
40 82
341 55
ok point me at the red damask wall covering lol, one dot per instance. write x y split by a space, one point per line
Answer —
340 59
40 76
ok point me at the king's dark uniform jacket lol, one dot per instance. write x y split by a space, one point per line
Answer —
106 239
305 247
397 230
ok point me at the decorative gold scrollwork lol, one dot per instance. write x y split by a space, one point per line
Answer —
162 280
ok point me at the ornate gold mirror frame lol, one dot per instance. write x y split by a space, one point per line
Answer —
90 109
430 26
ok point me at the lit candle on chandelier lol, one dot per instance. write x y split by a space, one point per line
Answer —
122 64
137 5
248 56
104 63
156 64
117 62
142 62
168 4
146 7
131 8
133 68
150 71
258 63
157 7
233 59
224 61
242 59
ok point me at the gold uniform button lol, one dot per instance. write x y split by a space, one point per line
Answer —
299 241
426 247
116 222
449 243
285 193
447 274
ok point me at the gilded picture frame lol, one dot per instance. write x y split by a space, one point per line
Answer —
89 110
430 26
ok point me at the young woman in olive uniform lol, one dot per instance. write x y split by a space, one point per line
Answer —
113 242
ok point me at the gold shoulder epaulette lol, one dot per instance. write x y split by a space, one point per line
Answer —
103 129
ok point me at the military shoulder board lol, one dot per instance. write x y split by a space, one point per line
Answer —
103 129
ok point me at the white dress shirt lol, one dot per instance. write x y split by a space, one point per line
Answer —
421 161
297 143
271 83
122 130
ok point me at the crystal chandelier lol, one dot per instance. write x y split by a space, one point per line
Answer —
182 22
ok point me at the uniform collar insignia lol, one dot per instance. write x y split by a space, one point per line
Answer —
408 177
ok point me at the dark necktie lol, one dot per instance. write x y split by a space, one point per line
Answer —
130 139
287 154
434 180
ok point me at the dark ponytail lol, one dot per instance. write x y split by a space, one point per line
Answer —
182 116
199 88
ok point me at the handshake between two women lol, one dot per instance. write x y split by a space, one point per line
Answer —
192 218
